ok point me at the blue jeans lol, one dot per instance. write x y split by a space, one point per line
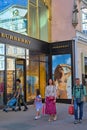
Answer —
78 110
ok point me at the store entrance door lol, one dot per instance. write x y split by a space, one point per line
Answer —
16 68
20 73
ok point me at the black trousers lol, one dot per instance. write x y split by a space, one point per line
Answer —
21 101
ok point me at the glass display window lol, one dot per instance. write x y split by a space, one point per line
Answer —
2 49
15 51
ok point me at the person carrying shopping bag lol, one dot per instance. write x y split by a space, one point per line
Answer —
78 98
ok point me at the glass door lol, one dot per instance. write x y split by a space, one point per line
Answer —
15 69
10 76
21 73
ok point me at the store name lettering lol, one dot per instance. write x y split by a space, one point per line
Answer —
63 46
14 38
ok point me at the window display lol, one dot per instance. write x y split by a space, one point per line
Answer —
61 70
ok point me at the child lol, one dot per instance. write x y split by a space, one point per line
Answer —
38 104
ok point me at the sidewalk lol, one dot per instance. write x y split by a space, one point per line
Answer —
25 120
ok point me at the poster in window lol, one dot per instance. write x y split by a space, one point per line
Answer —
61 71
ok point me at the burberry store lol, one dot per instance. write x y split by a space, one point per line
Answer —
25 58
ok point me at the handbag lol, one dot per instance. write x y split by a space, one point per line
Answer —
71 110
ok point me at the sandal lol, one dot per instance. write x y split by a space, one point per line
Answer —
55 118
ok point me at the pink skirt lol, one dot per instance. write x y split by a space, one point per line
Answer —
50 107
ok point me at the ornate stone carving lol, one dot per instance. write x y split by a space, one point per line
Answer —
75 15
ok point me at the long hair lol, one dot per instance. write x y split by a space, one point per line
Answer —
52 81
57 72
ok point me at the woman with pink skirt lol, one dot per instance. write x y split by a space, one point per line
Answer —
50 100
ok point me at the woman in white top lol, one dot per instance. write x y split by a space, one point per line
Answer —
50 100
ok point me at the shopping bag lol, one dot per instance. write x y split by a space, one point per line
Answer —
43 109
71 110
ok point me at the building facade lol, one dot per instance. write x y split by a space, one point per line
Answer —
28 17
37 37
69 23
21 57
24 58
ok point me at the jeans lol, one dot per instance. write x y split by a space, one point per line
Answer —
78 110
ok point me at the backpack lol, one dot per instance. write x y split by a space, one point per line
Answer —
78 100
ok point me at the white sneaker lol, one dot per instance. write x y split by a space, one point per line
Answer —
37 117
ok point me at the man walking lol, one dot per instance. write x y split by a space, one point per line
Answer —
20 95
78 98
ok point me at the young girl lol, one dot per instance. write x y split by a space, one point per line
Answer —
38 104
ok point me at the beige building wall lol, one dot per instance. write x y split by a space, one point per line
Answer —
62 28
81 46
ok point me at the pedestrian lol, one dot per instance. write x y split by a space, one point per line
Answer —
20 95
50 100
38 104
78 98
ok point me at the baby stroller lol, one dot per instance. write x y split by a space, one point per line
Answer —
12 103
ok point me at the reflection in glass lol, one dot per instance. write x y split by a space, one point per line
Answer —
43 20
43 77
33 23
13 15
37 72
2 49
10 76
1 79
2 63
32 79
15 51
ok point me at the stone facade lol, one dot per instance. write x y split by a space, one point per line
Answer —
63 29
62 15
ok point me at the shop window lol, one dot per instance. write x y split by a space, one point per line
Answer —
61 72
32 79
14 51
2 49
44 58
43 78
10 77
2 67
37 71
